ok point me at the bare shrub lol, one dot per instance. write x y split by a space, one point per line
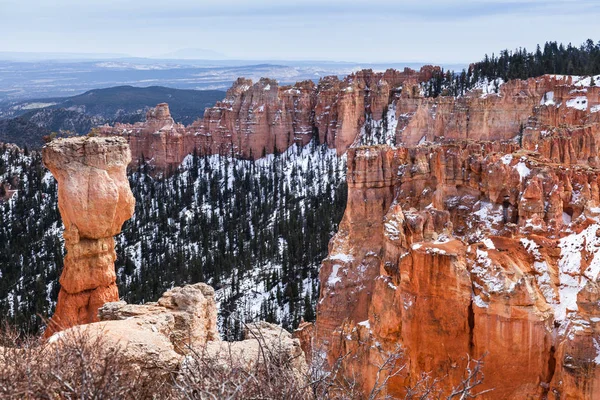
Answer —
271 373
78 367
342 382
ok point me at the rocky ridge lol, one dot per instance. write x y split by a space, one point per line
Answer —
260 118
478 236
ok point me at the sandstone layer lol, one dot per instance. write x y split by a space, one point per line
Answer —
479 237
94 200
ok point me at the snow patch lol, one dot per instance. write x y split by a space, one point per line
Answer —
489 244
334 278
523 170
578 103
547 99
506 159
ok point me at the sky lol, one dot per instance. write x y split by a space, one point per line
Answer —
375 31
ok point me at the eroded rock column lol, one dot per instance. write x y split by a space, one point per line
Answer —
94 200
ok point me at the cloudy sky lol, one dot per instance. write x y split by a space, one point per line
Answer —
353 30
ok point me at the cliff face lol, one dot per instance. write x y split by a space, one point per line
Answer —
94 200
480 237
259 118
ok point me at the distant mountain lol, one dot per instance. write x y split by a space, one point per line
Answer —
60 78
115 102
193 54
21 132
46 56
26 122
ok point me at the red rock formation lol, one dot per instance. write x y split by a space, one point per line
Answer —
257 119
485 241
94 200
158 140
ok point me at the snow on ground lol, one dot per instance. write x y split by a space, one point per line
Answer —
382 131
547 99
571 278
298 167
585 81
540 265
523 170
578 103
489 244
489 87
489 214
334 278
506 159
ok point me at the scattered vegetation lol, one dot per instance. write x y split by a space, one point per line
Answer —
79 367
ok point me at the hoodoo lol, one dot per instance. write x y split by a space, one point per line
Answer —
94 200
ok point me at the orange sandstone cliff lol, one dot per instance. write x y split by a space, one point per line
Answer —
478 236
94 200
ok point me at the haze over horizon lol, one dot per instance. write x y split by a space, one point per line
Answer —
354 30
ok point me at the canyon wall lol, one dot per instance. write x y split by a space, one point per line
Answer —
94 200
472 233
260 118
478 237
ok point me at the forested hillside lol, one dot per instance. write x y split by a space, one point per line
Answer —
26 122
255 230
551 58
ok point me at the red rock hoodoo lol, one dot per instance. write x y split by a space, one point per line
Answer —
480 235
94 200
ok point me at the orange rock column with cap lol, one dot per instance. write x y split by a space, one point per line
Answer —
94 200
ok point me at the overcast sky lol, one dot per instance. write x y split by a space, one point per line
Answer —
350 30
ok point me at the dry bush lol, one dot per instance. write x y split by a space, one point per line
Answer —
77 367
273 374
85 367
341 382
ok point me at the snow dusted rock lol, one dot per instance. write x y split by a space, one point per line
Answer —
94 200
259 118
474 247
